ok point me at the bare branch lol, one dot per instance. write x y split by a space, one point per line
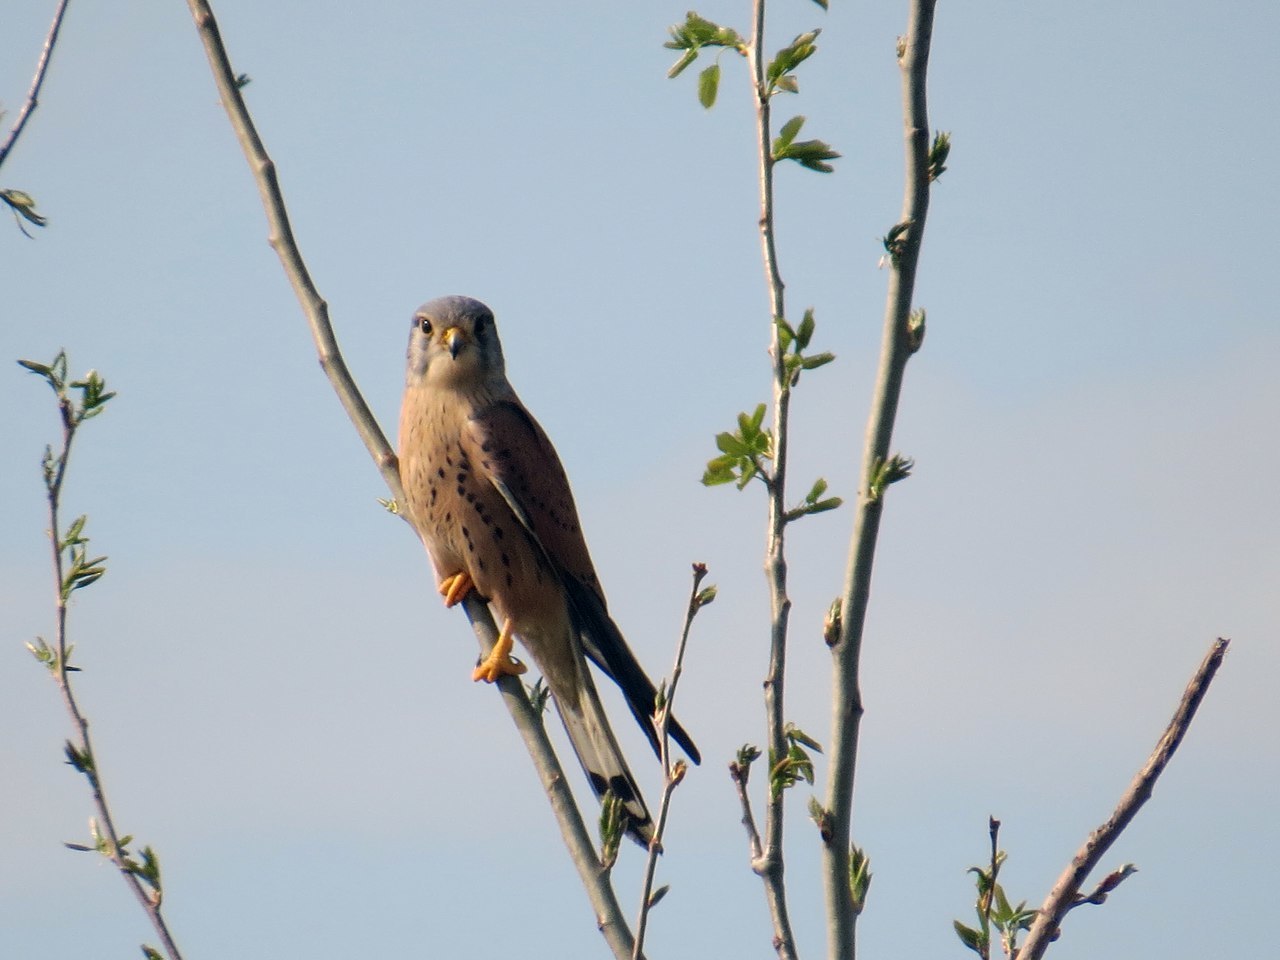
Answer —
33 95
581 849
1065 893
671 775
898 343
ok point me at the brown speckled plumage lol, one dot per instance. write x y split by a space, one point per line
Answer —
490 499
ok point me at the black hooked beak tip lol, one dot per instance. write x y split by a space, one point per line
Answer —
454 340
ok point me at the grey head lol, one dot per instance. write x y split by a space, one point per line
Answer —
454 344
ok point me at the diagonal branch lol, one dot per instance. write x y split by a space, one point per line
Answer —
1064 894
33 95
581 849
896 348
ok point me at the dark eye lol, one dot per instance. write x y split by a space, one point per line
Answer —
482 325
423 324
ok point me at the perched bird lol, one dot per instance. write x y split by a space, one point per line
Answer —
491 502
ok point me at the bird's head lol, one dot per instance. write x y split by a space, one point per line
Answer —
454 343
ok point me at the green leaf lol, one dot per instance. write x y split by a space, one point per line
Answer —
916 325
859 876
804 332
708 86
969 937
54 374
833 622
718 471
732 445
613 825
895 241
151 953
538 692
1003 909
742 452
822 506
787 84
656 897
705 596
678 67
787 134
42 651
695 33
791 56
23 205
796 735
896 468
80 760
34 367
821 817
938 154
74 531
817 360
150 870
810 154
786 336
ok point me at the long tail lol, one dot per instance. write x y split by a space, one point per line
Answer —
601 758
603 642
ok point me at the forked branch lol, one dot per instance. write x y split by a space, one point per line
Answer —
1065 893
672 773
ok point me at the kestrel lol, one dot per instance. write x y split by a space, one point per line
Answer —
491 502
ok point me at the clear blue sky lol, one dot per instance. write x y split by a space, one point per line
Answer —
280 705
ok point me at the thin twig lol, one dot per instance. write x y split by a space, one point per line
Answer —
581 849
986 899
769 863
85 759
738 773
671 777
33 95
1102 891
1064 894
846 697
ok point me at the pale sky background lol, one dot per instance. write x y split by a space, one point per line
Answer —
281 707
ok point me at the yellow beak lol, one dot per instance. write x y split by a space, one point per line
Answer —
454 340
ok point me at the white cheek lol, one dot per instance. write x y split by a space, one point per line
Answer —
418 355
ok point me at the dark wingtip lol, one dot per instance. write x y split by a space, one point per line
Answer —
686 742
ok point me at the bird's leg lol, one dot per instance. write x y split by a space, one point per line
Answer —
499 662
454 588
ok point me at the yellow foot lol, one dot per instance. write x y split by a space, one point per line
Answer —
454 588
499 662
